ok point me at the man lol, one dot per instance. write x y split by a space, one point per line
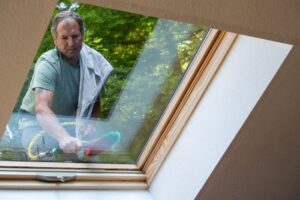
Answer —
66 82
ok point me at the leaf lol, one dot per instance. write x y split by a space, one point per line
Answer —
97 40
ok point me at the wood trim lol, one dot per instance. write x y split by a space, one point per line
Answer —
75 185
57 165
206 71
194 67
104 176
12 179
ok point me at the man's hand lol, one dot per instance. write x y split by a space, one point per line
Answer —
70 144
49 122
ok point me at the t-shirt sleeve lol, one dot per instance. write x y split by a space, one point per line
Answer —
45 75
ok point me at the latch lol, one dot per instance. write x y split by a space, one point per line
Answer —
56 177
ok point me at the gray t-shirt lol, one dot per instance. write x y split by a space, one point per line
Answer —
55 74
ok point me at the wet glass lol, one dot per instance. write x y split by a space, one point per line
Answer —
150 57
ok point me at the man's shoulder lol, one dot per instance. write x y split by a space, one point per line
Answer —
50 56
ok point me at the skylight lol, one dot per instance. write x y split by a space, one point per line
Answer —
149 56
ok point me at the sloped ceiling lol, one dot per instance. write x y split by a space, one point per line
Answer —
263 162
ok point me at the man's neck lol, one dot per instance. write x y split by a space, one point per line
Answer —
72 61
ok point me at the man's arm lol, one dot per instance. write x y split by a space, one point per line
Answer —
49 122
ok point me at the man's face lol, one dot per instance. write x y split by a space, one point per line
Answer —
68 39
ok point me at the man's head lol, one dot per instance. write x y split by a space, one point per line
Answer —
68 34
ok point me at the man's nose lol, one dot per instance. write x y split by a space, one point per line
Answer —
70 42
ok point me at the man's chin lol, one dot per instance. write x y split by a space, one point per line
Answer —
72 54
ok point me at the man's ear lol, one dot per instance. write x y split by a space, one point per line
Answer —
54 38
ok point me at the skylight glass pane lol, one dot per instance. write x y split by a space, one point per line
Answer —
149 57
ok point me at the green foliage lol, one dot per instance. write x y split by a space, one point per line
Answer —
119 37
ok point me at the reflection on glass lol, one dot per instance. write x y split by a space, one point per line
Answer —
150 57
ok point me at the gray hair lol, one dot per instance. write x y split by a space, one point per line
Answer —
64 15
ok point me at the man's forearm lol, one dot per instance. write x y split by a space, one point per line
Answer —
49 122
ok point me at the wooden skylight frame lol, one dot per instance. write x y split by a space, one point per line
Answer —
29 175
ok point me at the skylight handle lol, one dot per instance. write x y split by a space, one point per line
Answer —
61 178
